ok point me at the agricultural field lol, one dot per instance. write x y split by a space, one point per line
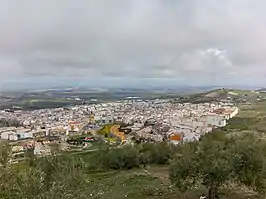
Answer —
251 118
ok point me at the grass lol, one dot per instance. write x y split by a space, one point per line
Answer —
62 100
242 92
251 118
133 184
150 183
153 182
39 103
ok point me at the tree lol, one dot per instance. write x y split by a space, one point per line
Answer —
5 154
105 130
118 158
214 166
249 162
7 176
216 161
155 153
53 177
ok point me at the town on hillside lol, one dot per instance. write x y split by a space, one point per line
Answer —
123 122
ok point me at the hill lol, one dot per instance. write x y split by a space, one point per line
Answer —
230 95
262 90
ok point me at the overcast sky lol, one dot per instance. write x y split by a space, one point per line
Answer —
210 42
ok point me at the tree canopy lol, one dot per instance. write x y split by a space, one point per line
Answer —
217 161
214 162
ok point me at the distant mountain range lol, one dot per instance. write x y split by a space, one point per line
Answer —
60 97
104 89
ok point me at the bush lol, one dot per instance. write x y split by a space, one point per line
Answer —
129 157
156 153
119 158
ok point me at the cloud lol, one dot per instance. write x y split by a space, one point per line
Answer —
199 40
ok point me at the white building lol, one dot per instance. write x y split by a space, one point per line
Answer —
234 112
6 135
216 120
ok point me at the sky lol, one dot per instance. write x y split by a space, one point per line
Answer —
132 42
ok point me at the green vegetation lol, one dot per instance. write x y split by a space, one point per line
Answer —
105 130
251 118
229 163
217 164
39 102
62 100
89 175
234 95
129 157
218 161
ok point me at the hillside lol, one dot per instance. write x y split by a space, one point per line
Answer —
149 170
231 95
262 90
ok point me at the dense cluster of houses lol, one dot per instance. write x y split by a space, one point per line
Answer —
153 120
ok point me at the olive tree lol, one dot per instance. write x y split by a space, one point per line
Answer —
216 161
249 163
